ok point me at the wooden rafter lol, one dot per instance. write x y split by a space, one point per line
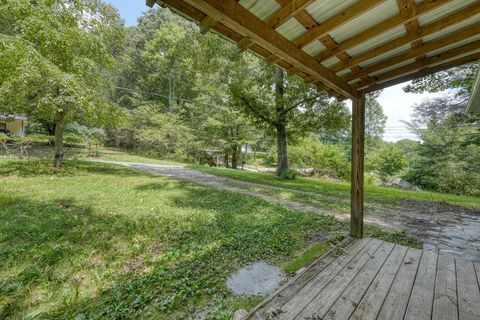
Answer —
418 52
429 29
206 24
236 17
424 72
407 7
382 27
291 9
337 20
425 63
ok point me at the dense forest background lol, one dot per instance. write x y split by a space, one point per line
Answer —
167 90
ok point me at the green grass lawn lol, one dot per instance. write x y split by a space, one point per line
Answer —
113 154
332 194
104 242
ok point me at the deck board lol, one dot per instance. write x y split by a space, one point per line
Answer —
421 299
445 304
319 305
395 304
372 301
469 295
372 279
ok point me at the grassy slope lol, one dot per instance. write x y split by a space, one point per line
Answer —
338 191
109 242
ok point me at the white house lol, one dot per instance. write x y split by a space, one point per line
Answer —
15 124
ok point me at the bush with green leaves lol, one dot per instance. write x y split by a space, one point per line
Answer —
386 161
312 153
288 174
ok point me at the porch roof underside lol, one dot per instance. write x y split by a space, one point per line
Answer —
346 47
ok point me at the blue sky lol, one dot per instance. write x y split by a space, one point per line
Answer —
396 104
130 10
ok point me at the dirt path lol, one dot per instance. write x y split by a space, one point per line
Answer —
442 227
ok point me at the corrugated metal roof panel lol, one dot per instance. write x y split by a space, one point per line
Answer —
263 9
393 67
457 57
443 11
367 20
291 29
454 28
330 62
378 40
385 55
454 45
322 10
314 48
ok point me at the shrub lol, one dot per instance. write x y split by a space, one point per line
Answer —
312 153
386 161
288 174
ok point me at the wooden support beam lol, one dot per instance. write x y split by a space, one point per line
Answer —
337 20
273 59
244 44
206 24
358 155
424 31
382 27
418 52
286 12
236 17
424 72
441 57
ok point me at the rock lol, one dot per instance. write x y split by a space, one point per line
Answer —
240 314
306 172
403 184
257 279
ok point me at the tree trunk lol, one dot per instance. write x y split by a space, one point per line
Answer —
226 159
234 156
59 118
282 155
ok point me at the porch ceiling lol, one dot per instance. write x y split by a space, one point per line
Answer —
347 47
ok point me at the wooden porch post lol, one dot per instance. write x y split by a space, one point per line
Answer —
358 138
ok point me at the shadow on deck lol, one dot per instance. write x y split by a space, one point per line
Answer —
373 279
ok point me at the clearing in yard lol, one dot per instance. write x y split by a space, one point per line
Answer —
95 240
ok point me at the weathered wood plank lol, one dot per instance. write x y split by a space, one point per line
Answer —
445 305
468 290
397 298
349 299
358 155
319 305
372 301
324 278
421 300
291 289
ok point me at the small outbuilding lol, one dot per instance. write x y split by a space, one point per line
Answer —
14 124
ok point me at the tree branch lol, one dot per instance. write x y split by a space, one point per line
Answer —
299 103
257 112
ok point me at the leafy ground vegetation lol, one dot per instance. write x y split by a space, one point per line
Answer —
91 240
99 241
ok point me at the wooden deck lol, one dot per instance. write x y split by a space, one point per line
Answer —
373 279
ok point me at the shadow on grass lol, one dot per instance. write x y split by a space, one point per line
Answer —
205 236
37 241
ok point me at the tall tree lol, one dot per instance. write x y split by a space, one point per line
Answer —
284 106
375 121
56 55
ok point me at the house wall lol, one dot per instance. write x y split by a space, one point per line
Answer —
16 126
